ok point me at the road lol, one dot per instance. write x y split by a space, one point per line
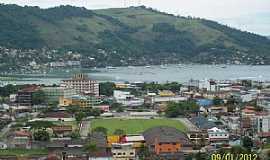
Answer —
85 128
188 124
5 130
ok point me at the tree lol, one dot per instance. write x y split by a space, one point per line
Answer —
75 135
144 152
182 108
38 97
106 88
217 101
96 112
119 132
41 135
247 143
91 147
79 116
172 110
100 129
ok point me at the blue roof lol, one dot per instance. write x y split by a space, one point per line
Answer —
204 102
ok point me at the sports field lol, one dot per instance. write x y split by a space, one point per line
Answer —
135 126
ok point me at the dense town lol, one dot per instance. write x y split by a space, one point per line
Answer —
41 60
82 118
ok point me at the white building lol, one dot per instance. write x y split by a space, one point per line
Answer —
263 123
126 99
217 135
123 151
82 84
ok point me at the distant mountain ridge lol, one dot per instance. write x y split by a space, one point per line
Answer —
129 36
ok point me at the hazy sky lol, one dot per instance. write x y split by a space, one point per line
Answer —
250 15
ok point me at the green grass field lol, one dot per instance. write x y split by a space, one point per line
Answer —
23 152
135 126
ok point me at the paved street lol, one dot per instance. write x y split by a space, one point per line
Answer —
84 128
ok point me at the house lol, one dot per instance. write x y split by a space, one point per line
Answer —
20 139
62 130
248 111
67 147
137 140
99 139
202 122
123 151
3 145
198 137
218 109
104 108
127 99
217 135
166 141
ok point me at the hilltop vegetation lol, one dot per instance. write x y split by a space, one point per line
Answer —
129 36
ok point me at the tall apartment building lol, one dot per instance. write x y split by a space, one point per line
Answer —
24 96
82 84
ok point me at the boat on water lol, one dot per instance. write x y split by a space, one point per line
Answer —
223 66
163 67
110 67
147 66
131 67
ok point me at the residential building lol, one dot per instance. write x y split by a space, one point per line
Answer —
123 151
99 139
262 126
24 96
79 100
62 130
82 84
152 99
126 99
137 140
54 93
20 139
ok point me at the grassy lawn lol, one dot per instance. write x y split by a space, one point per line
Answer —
135 126
23 152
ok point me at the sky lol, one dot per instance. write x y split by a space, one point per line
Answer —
247 15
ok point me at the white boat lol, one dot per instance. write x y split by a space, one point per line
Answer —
131 67
147 66
110 67
163 67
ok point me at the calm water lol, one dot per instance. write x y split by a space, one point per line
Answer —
162 74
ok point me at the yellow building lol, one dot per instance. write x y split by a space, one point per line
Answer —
121 85
82 101
166 93
112 139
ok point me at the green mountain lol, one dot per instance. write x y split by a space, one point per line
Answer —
129 36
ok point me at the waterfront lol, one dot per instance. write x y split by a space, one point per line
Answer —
162 74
